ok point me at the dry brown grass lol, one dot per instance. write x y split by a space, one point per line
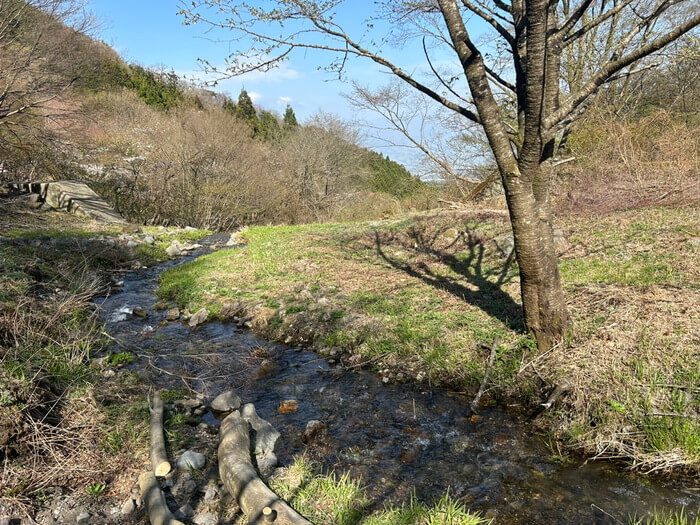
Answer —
626 163
56 431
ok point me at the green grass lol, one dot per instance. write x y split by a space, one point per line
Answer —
329 498
424 296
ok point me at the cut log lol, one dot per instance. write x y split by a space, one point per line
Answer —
266 440
159 457
257 501
152 496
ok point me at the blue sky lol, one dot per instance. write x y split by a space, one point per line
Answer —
151 33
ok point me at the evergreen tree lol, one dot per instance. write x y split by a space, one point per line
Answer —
290 119
268 127
246 111
230 106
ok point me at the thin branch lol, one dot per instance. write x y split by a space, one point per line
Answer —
612 67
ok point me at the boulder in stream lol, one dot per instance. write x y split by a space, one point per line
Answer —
199 317
226 402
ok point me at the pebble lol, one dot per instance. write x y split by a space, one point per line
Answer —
206 518
313 427
128 507
83 517
226 402
191 460
139 312
210 494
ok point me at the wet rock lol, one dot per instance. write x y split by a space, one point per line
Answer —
191 460
313 427
206 518
173 250
128 507
173 314
160 306
289 406
199 317
268 368
139 312
226 402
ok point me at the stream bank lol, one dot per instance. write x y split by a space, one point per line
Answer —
400 440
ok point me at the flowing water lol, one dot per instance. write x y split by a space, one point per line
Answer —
401 439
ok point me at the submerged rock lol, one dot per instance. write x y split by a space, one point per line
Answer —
139 312
289 406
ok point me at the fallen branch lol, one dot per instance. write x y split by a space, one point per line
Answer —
159 457
158 511
255 499
489 364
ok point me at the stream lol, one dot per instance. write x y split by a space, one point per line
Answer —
400 439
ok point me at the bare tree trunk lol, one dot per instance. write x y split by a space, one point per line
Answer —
544 304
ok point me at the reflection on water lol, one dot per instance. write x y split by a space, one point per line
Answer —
399 439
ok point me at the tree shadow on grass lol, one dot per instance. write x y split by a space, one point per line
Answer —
474 284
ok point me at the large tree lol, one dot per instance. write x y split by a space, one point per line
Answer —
513 88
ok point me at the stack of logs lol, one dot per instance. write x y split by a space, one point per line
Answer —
254 497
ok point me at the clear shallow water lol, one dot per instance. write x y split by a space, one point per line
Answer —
400 439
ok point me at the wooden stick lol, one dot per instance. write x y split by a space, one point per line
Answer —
158 511
159 457
492 357
241 480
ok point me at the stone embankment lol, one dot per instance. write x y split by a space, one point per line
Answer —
73 196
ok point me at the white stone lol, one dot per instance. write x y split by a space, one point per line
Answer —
191 460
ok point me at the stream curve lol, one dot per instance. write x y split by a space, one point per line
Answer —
400 439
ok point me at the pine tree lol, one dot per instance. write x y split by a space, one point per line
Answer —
269 127
230 106
290 119
246 111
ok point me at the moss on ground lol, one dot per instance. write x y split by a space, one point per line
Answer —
423 298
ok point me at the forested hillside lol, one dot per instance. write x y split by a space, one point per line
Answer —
165 152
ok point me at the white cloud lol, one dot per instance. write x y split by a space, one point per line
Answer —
282 101
255 97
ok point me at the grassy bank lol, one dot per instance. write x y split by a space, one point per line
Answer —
423 297
66 423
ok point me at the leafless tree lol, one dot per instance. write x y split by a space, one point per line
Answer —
36 63
536 35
